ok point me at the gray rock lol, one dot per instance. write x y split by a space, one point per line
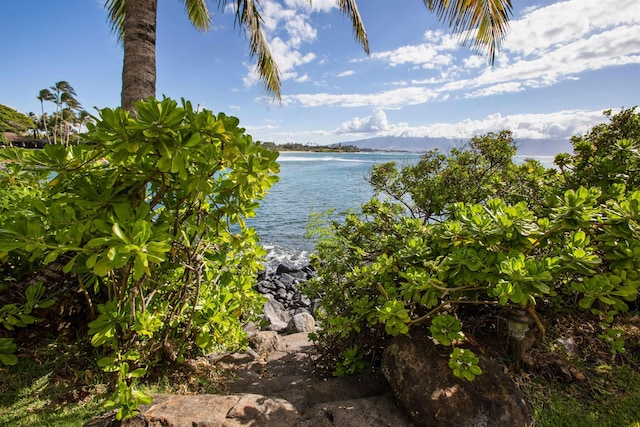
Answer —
287 280
309 271
279 284
286 268
299 275
268 284
301 322
264 341
305 301
276 315
281 294
430 395
262 289
299 300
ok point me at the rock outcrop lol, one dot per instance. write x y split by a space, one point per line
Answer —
430 395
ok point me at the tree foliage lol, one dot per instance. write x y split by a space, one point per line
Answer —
148 216
68 117
480 170
607 156
13 121
472 228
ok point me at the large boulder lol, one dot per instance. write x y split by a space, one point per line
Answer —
276 315
430 395
263 341
301 322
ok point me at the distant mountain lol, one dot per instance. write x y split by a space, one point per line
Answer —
526 147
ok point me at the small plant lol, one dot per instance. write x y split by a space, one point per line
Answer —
352 363
126 398
20 315
464 364
446 329
7 348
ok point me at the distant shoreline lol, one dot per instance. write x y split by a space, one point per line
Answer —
336 150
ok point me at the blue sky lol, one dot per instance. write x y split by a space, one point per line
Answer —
562 64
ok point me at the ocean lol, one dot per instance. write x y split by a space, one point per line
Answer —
316 182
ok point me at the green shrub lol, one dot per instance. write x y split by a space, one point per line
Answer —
148 216
548 240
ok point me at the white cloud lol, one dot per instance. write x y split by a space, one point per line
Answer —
268 127
474 61
398 83
614 47
345 73
556 125
497 89
559 125
545 29
315 5
287 29
288 58
374 123
428 55
387 99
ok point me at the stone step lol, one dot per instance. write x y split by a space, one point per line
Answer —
305 392
286 372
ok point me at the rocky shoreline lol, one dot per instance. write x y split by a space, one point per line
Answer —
287 310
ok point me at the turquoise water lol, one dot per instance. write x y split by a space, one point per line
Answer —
316 182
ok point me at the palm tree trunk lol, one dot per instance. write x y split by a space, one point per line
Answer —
139 69
44 121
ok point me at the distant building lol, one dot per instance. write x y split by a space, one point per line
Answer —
14 140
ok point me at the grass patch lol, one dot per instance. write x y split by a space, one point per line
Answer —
609 393
609 397
50 386
43 389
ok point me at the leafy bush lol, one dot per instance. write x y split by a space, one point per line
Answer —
149 218
606 157
480 170
13 121
550 239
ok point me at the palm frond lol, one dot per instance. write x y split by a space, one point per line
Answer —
349 7
45 95
248 16
198 14
115 13
63 86
489 19
68 99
